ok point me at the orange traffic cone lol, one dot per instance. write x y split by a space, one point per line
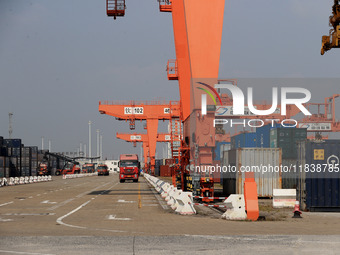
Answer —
297 212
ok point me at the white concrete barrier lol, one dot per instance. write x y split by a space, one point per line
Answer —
4 182
16 181
185 204
31 179
35 179
284 198
26 180
235 208
175 196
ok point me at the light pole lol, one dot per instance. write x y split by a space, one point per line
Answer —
97 142
90 153
101 147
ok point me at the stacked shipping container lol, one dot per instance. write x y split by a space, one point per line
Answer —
319 175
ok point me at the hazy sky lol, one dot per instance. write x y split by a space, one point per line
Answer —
59 58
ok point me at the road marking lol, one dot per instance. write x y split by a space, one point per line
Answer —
29 253
151 204
61 204
60 219
28 214
48 202
123 201
71 199
30 197
38 195
113 217
5 220
7 203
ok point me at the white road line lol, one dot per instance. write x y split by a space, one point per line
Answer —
123 201
29 253
7 203
113 217
60 219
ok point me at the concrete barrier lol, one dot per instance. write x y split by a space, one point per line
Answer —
31 179
235 208
4 182
175 196
35 179
26 180
185 204
284 198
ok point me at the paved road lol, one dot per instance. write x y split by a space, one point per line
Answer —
79 215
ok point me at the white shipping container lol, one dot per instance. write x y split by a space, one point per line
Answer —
253 158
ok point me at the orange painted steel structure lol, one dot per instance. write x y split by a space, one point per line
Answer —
143 138
325 117
148 110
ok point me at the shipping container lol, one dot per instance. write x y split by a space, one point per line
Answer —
289 174
2 161
219 148
243 140
319 182
243 159
14 143
165 171
263 134
286 139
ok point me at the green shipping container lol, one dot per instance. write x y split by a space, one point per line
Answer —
286 139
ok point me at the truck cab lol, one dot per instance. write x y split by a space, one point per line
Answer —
102 169
129 167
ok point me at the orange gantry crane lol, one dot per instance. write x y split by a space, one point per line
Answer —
144 139
151 111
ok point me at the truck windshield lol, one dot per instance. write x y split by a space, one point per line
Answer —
128 163
102 167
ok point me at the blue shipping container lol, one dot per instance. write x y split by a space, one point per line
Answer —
218 151
244 140
319 190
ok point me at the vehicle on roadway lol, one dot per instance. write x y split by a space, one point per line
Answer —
69 168
88 168
102 169
128 167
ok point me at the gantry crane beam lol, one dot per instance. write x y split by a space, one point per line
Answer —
143 138
149 111
322 121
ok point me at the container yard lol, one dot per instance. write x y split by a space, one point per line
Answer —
143 127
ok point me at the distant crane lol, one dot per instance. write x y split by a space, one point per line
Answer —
333 40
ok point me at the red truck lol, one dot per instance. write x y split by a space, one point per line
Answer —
102 169
128 167
70 168
88 168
